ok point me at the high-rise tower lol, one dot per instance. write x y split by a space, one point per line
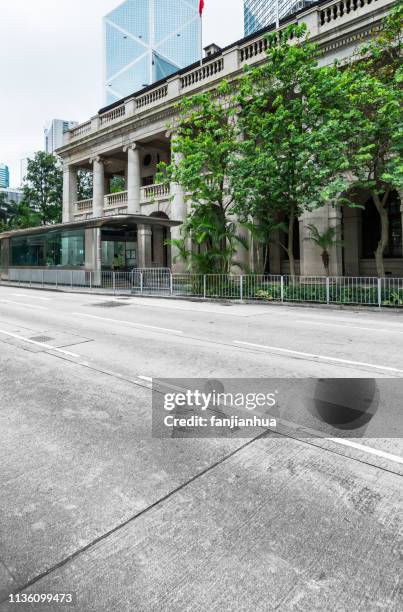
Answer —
259 14
147 40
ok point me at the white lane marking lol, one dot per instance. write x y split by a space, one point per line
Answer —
32 297
376 329
120 321
146 378
41 344
367 449
23 304
319 357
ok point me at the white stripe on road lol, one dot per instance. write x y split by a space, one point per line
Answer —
319 357
367 449
41 344
121 322
32 297
376 329
23 304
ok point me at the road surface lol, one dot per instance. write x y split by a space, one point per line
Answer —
91 504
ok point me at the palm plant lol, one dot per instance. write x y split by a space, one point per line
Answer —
324 241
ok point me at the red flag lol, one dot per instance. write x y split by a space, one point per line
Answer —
201 7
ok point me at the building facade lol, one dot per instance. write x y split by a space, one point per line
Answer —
4 176
259 14
54 134
147 40
13 196
130 137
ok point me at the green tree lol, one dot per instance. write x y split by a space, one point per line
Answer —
117 183
375 143
43 189
205 145
84 184
291 116
324 240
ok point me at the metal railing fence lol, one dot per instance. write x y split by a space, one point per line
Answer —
368 291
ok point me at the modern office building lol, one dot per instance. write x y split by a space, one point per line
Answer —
13 196
54 133
147 40
4 176
259 14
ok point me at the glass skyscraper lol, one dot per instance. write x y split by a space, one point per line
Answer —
259 14
147 40
4 176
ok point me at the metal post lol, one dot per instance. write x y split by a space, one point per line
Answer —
327 290
30 278
90 280
114 282
379 292
57 280
241 287
171 284
141 282
43 278
204 286
282 288
71 279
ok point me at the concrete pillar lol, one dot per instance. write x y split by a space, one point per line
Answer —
310 254
69 192
133 179
99 187
179 213
144 238
352 241
158 246
275 253
336 252
241 257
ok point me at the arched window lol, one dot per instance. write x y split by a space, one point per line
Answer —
371 228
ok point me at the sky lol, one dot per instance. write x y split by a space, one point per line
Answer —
51 64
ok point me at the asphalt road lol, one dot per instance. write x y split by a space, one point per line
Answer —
91 504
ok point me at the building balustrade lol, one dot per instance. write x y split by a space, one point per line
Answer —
204 72
112 115
153 96
341 8
154 192
84 205
119 200
116 200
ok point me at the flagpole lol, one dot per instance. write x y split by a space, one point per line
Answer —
201 40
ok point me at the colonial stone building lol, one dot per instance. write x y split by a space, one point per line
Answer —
130 137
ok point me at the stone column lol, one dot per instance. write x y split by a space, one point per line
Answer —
144 238
179 213
69 193
133 179
158 245
336 252
275 253
241 257
99 187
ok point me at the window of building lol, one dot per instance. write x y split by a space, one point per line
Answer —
56 248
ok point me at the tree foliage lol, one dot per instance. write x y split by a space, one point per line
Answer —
375 142
205 146
43 189
290 113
